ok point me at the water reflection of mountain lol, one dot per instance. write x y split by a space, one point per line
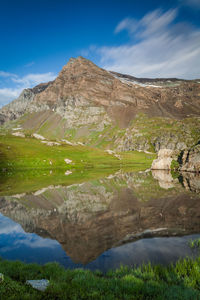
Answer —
89 218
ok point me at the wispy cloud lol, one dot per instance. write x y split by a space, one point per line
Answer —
191 3
33 79
128 24
149 24
7 74
30 80
159 47
30 64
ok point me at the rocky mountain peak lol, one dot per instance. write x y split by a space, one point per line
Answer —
84 81
79 64
80 78
79 59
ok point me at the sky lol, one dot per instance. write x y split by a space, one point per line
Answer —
143 38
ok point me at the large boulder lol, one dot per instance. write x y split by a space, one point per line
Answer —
164 160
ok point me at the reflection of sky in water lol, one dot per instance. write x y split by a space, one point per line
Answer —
29 247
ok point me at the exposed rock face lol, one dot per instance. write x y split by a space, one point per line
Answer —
164 160
190 160
23 103
133 139
85 98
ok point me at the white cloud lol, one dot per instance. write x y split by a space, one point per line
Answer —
149 24
159 48
10 93
128 24
7 74
191 3
30 64
34 79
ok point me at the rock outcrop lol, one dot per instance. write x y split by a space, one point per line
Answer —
187 160
190 160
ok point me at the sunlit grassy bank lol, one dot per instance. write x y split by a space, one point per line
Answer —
21 153
181 281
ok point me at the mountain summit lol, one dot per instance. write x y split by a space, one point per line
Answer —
82 80
84 101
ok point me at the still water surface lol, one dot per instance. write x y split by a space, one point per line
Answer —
124 218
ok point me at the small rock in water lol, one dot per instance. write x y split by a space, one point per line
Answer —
1 277
39 285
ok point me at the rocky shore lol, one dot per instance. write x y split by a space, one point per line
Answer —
187 160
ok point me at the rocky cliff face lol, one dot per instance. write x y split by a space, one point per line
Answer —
190 160
101 108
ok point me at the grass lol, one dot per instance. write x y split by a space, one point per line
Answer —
194 244
22 153
179 281
174 165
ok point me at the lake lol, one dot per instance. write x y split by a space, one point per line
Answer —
122 218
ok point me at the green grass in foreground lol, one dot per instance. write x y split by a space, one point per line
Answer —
180 281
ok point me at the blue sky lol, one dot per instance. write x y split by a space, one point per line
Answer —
145 38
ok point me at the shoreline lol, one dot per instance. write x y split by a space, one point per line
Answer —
175 281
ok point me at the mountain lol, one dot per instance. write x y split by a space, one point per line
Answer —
105 109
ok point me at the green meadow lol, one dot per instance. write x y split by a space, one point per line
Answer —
25 153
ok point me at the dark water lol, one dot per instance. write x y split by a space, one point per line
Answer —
124 218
